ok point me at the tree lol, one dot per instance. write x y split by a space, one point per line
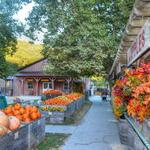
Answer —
9 29
81 36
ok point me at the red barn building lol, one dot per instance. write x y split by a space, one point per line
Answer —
31 80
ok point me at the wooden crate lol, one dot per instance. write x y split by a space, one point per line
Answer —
15 140
36 132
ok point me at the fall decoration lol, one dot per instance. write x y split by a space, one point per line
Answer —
14 123
4 121
52 92
63 100
3 130
24 114
132 93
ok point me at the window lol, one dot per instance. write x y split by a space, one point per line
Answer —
30 85
47 85
50 85
65 86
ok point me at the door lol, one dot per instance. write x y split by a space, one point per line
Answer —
47 86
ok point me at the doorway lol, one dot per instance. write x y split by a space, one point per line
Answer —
47 86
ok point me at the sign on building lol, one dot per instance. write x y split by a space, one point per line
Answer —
140 45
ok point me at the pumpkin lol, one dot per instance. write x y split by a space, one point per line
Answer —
14 123
4 121
22 110
28 108
27 120
27 112
8 110
3 130
34 109
34 116
20 117
17 106
24 116
16 112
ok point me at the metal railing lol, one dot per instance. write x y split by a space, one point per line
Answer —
141 137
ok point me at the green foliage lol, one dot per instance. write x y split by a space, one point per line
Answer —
9 29
25 54
82 36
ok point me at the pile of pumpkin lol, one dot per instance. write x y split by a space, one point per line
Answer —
25 114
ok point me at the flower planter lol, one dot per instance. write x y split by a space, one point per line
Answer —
146 130
123 131
129 137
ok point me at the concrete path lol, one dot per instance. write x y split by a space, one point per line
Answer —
67 129
97 131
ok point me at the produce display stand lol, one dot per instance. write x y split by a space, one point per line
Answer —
15 140
59 117
26 137
36 132
50 96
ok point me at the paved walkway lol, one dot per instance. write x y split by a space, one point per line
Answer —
97 131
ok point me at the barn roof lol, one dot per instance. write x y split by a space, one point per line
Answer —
22 68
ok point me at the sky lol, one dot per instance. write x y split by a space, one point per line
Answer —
22 15
24 12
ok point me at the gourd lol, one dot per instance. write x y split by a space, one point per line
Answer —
14 123
4 121
3 130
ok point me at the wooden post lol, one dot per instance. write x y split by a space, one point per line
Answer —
37 86
68 81
22 86
52 80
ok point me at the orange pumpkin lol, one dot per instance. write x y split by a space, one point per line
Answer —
17 106
34 109
27 112
3 130
27 120
14 123
8 110
4 121
34 116
20 117
24 116
22 110
28 107
16 112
